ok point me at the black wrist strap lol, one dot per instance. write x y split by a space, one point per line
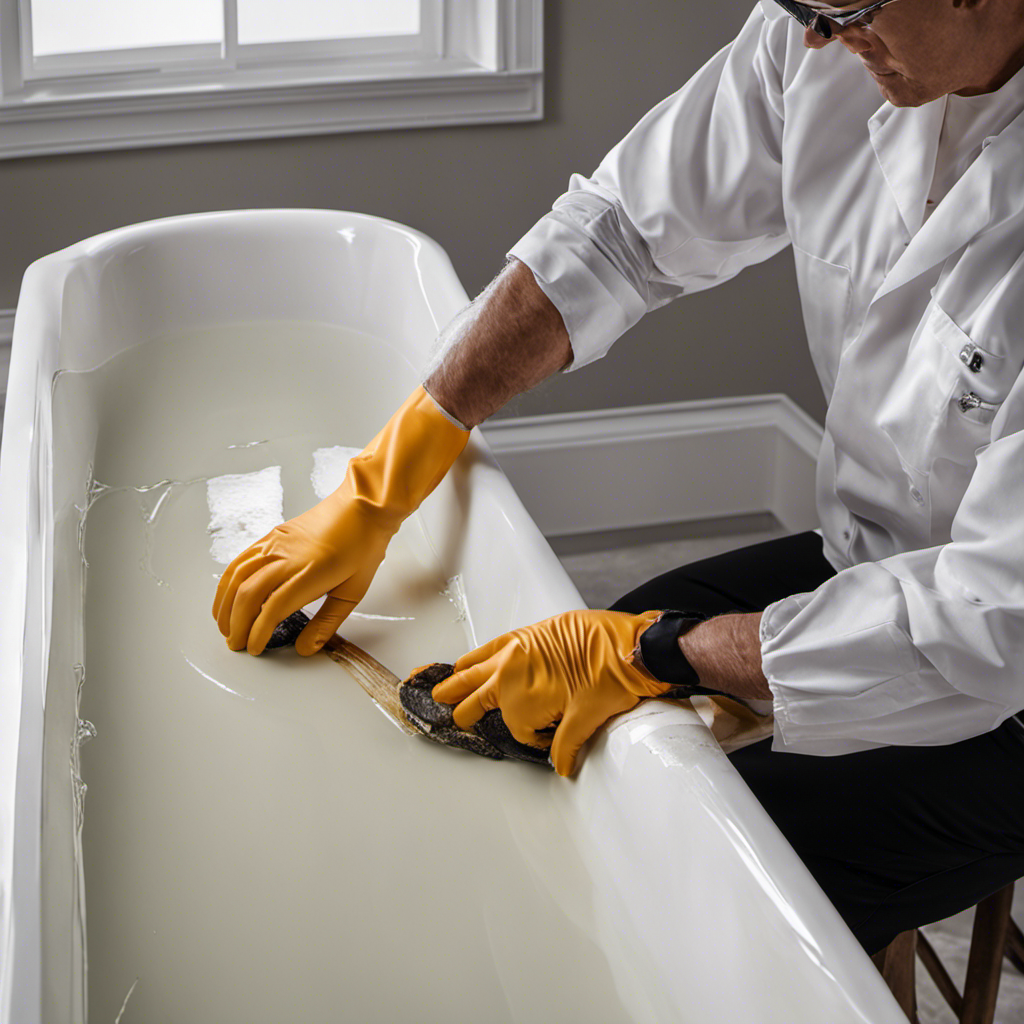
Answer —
663 658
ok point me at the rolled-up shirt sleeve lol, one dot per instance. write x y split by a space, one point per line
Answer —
922 648
685 201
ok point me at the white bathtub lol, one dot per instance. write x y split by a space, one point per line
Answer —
698 906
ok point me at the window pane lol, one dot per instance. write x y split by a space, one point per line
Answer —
75 26
275 21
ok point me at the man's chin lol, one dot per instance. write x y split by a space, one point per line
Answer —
899 91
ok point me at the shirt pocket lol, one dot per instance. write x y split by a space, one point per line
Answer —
944 399
826 292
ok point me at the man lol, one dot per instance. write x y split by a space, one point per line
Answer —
893 163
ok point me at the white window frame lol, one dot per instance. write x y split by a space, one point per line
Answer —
474 62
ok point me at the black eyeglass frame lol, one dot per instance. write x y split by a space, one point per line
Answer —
818 20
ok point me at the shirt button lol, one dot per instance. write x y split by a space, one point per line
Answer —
846 534
916 495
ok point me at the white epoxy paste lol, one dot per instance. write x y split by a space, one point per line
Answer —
260 843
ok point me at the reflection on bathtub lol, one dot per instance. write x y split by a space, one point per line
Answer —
329 466
243 507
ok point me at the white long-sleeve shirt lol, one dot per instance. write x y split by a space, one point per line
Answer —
915 321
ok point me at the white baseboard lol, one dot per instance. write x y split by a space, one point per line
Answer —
648 465
652 465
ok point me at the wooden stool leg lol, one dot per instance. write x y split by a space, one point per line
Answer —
896 962
988 942
943 982
1015 947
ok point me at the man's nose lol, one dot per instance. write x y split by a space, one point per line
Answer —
854 38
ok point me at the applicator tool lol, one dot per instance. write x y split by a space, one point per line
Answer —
409 704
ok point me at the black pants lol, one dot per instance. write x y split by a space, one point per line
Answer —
897 837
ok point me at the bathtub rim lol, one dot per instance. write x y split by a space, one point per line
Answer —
26 527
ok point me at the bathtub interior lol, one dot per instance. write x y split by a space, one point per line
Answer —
120 292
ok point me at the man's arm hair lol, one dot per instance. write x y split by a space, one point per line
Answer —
510 338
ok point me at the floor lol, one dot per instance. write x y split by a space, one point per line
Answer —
607 566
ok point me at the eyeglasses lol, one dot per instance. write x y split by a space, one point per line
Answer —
820 20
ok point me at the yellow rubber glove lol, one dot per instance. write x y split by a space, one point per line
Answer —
573 671
336 547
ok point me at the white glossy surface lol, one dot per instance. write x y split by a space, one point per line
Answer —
700 908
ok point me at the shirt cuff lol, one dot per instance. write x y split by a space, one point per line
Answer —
597 304
804 723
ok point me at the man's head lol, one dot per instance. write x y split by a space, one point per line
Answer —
919 50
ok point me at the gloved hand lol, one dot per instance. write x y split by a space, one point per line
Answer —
573 671
336 546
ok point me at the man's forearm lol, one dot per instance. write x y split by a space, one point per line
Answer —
509 339
725 652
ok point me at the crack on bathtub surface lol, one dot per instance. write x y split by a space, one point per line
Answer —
84 730
455 591
93 491
151 498
381 618
251 444
120 1013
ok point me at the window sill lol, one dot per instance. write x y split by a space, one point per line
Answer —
126 112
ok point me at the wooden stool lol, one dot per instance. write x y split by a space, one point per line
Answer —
994 936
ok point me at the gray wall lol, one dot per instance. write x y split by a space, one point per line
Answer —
476 190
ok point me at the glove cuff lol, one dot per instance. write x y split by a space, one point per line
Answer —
406 460
445 413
